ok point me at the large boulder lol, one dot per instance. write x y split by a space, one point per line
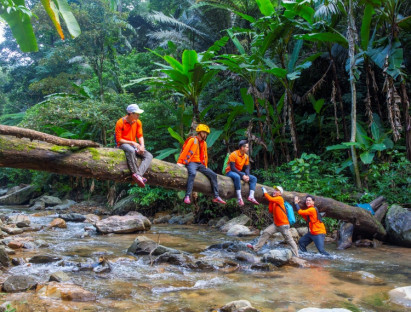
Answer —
238 306
401 296
65 204
239 230
67 292
345 235
124 224
246 257
125 205
240 220
398 225
20 196
4 257
278 257
182 219
20 219
19 283
50 201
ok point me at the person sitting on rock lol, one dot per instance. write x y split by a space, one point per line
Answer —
128 129
316 227
194 156
238 168
281 224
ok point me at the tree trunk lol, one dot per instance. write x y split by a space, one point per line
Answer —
110 164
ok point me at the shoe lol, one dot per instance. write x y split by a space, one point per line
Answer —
240 202
138 179
252 200
219 200
187 200
144 180
250 246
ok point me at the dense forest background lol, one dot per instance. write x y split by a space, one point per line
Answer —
319 88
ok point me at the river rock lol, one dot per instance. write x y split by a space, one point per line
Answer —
59 277
38 205
4 257
162 219
66 204
262 267
323 310
21 219
398 225
345 233
124 224
72 217
247 257
92 218
15 245
294 233
173 258
142 245
240 220
2 234
222 221
298 262
50 201
278 257
12 230
360 277
238 306
229 246
68 292
18 196
182 219
44 259
125 205
18 261
401 296
59 223
302 231
19 283
103 267
201 265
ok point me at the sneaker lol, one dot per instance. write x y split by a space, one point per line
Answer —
250 246
187 200
219 200
144 180
240 202
252 200
138 179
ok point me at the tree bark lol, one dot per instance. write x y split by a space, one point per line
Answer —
110 164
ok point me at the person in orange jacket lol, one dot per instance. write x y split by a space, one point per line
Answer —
194 156
129 129
238 168
316 227
281 224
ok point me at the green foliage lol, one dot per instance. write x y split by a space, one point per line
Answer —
152 199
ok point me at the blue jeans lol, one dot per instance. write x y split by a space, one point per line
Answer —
192 169
317 239
237 180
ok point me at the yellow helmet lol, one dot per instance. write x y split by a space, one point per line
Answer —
203 127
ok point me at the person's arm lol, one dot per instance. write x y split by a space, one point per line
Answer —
233 168
246 169
184 152
277 199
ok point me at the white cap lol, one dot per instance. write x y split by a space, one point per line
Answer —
279 188
133 108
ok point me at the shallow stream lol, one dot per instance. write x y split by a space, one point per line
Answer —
134 286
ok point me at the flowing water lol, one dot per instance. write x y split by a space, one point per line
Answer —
133 285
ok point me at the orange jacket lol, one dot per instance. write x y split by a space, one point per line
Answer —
239 160
315 225
277 208
193 150
127 131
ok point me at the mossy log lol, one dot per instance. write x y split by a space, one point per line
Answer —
110 164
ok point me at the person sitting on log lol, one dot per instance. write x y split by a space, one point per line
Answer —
238 168
128 129
316 227
194 156
281 223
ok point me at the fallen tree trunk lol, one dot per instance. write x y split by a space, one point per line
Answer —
110 164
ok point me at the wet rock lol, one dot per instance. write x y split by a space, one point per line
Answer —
145 246
21 219
38 205
59 223
29 245
376 243
302 231
33 228
323 310
229 246
66 204
262 267
294 233
229 266
67 292
50 201
345 235
239 230
222 221
103 267
201 265
44 259
238 306
162 219
125 205
10 251
72 217
92 218
247 257
298 262
59 277
18 196
173 258
12 230
359 277
18 261
240 220
41 243
124 224
278 257
19 283
4 257
363 243
401 296
182 219
15 245
398 225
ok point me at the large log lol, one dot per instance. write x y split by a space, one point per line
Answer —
110 164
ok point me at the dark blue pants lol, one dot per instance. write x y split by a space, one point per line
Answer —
317 239
192 169
237 180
